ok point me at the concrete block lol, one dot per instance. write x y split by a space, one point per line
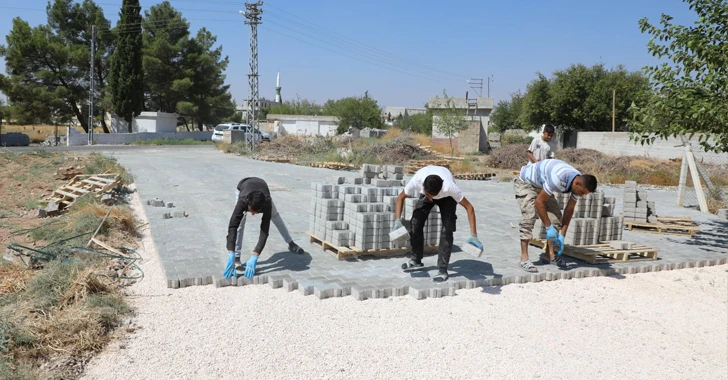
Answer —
180 214
399 236
472 250
156 202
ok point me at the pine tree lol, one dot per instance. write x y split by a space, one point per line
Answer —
127 90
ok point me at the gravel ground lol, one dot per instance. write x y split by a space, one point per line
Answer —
666 325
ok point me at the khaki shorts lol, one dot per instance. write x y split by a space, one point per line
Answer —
526 196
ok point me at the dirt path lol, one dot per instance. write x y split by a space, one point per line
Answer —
666 325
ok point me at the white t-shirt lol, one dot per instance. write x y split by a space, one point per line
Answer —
542 149
415 186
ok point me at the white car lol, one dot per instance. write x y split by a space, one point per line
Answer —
220 129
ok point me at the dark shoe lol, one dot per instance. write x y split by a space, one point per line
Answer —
293 247
412 265
441 277
559 262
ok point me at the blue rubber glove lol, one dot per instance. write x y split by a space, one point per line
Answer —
397 225
559 242
473 239
551 233
230 267
250 266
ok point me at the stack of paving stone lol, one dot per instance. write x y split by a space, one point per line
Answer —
592 223
636 208
359 212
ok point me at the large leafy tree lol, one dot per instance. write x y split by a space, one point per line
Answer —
127 90
165 35
206 96
357 112
690 86
506 114
48 66
580 97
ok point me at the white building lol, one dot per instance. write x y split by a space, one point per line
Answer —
304 125
476 112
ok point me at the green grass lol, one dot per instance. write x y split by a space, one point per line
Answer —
47 287
171 142
31 202
98 164
110 307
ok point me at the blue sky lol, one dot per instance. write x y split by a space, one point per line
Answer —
405 51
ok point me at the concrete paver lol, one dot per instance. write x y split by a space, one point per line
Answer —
201 181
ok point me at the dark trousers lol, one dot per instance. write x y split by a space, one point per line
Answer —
447 208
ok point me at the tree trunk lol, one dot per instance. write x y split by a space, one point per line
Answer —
129 120
79 115
103 125
200 126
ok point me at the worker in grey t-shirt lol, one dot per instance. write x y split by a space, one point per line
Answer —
543 147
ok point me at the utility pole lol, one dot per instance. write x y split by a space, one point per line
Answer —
614 99
252 15
490 77
91 89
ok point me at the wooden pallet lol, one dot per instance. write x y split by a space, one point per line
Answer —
81 185
414 165
334 165
280 159
603 253
474 176
666 225
343 253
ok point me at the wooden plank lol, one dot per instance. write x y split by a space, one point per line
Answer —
696 182
343 253
66 194
603 253
76 189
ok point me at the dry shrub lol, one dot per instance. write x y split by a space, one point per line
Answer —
420 139
86 282
508 157
13 278
463 166
392 134
395 152
445 149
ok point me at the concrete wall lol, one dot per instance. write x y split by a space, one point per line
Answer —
302 125
77 138
618 144
472 140
151 122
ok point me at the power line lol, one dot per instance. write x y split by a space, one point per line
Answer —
363 44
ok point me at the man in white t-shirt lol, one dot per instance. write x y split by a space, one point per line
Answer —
543 147
434 185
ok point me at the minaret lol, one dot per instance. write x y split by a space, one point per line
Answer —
278 88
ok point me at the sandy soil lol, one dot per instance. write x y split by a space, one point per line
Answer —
666 325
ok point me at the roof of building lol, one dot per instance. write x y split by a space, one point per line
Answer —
274 117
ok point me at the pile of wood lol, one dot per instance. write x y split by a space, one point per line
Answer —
69 172
64 196
474 176
334 165
270 158
414 165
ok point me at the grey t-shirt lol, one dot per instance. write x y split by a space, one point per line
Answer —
542 149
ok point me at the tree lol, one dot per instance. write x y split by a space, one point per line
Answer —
127 87
506 114
690 92
580 97
418 123
165 36
48 66
450 120
298 106
205 95
355 112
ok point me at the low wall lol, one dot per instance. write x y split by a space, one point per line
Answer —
618 144
78 138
